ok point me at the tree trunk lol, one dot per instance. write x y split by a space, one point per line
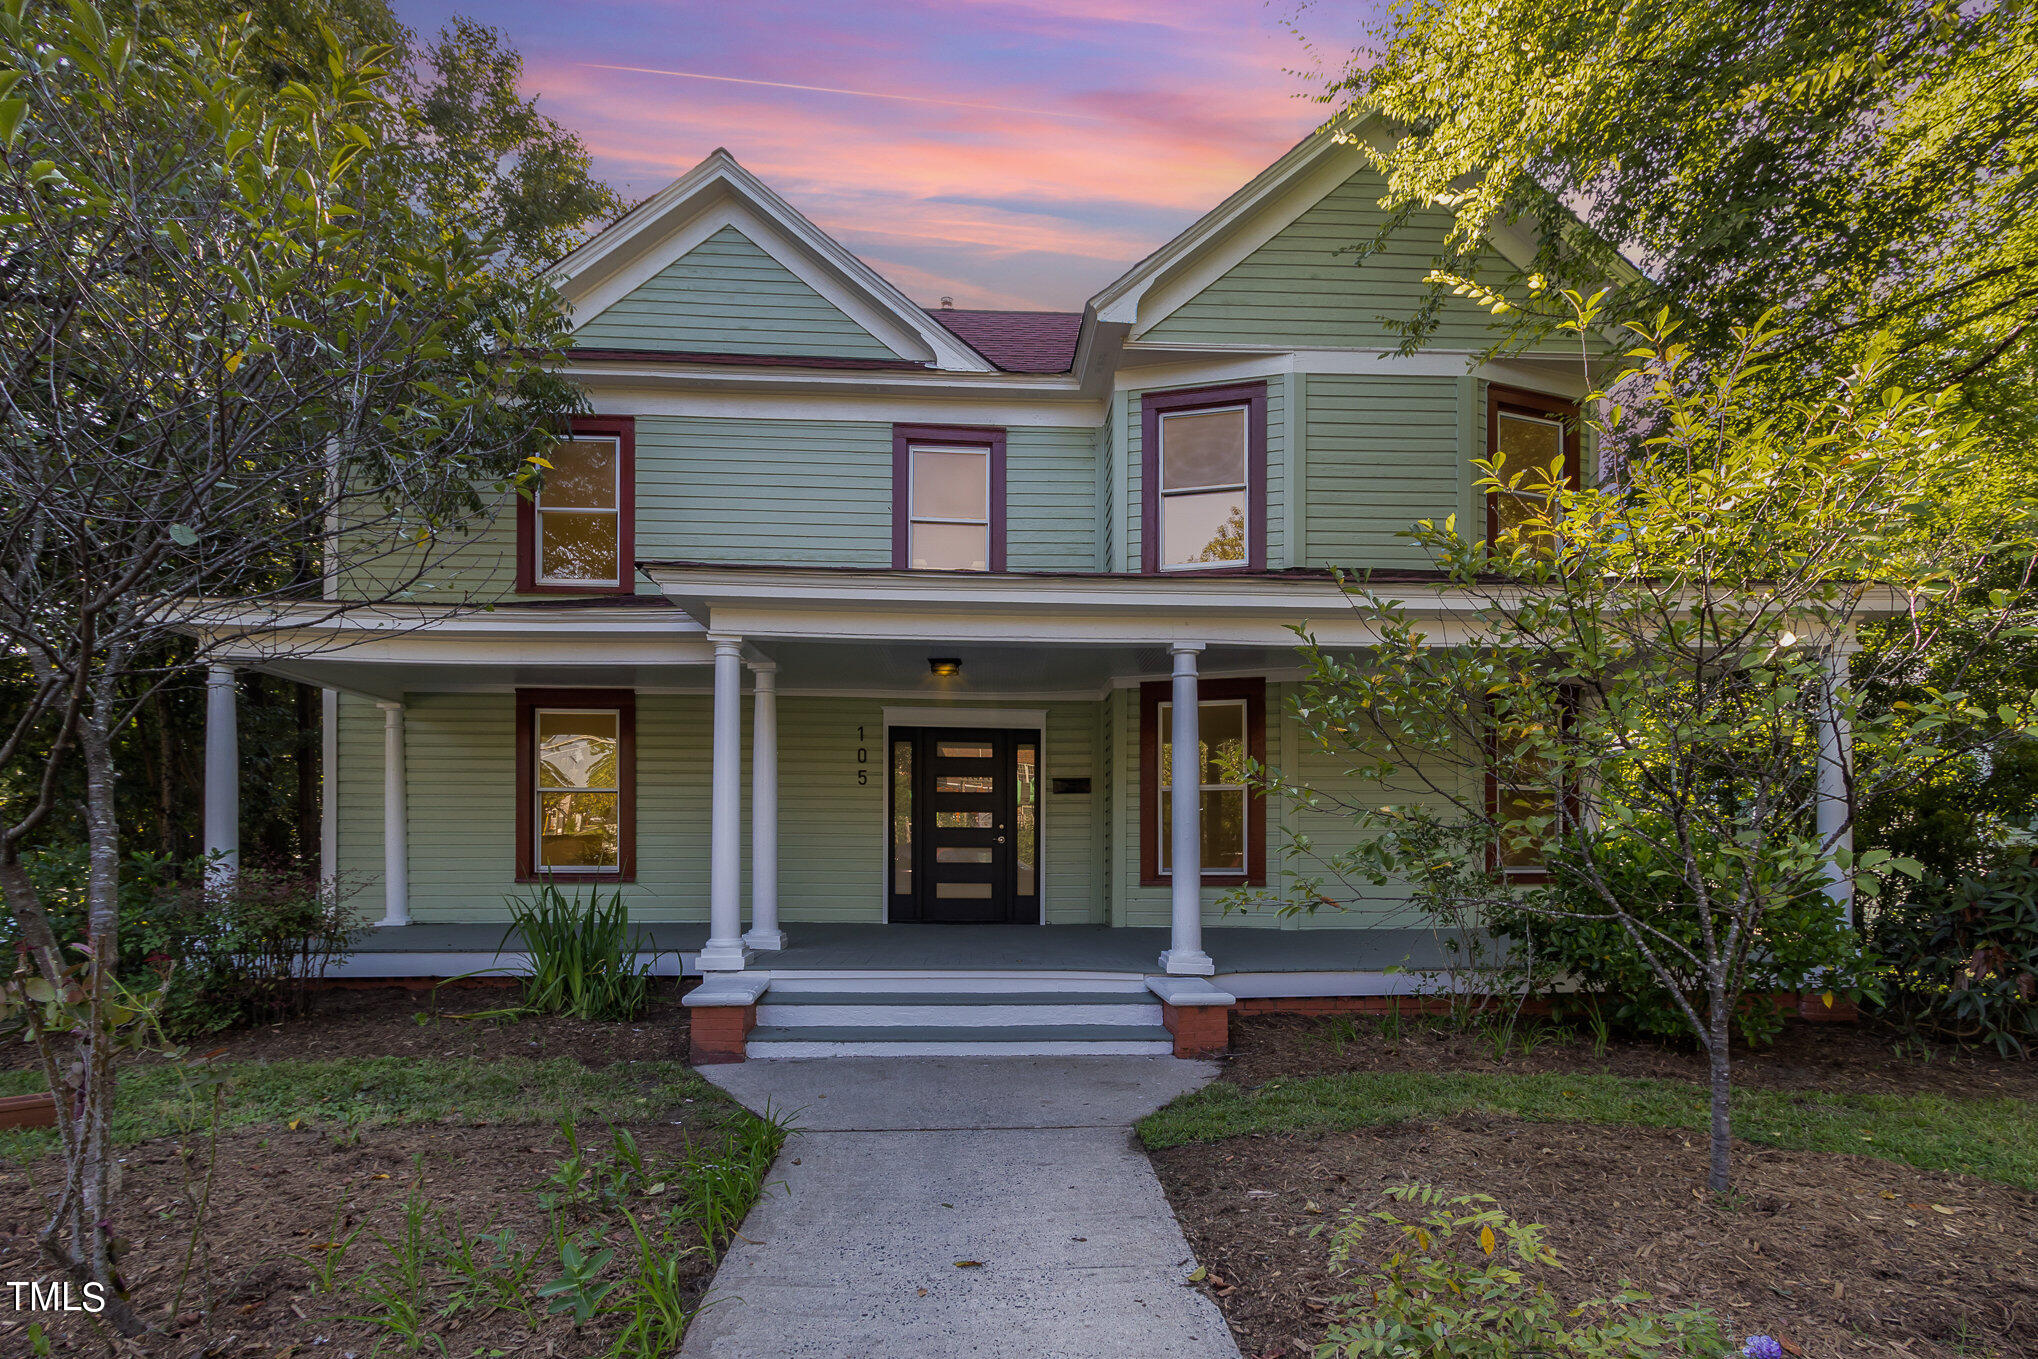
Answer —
92 1230
1721 1020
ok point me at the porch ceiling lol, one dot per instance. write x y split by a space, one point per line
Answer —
992 671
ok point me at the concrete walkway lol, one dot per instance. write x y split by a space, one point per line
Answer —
904 1167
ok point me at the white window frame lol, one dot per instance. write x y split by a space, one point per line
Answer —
538 513
538 790
913 515
1164 720
1243 485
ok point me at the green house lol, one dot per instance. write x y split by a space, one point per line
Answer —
850 640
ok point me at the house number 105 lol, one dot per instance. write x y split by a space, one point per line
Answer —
862 760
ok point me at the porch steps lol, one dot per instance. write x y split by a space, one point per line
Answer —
957 1015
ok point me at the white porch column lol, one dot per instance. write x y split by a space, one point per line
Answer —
764 932
1836 785
222 777
395 821
725 950
1185 955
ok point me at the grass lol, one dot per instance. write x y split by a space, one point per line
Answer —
353 1094
1994 1139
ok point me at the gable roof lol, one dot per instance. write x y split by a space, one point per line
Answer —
719 193
1018 341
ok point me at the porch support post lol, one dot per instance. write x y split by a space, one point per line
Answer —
222 777
725 950
1835 786
764 932
1185 955
395 821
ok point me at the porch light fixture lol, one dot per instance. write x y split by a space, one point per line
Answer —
945 666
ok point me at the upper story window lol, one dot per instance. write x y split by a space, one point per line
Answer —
948 498
1204 479
577 534
1531 431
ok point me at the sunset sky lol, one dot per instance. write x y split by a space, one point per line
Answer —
1007 153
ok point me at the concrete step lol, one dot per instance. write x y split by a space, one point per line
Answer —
957 1009
1030 984
948 1040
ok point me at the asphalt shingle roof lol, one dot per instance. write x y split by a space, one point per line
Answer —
1017 341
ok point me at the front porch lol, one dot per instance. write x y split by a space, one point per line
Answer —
1250 961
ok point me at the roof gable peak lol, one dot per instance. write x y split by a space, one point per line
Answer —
719 192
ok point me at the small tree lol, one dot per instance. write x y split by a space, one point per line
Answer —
228 328
1651 670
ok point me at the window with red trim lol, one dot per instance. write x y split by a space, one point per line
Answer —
1521 786
576 533
1203 479
948 498
1231 722
576 785
1532 431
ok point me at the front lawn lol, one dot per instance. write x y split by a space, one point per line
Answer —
1995 1139
1870 1210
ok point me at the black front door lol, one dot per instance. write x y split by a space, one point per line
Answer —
965 825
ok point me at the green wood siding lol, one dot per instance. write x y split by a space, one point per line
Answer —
460 773
1313 285
1050 499
727 296
794 492
1382 452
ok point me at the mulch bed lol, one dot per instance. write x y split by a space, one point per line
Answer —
1842 1255
280 1196
279 1193
448 1021
1836 1057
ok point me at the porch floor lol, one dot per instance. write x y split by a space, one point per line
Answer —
967 948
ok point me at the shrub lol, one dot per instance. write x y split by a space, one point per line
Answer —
583 954
1453 1285
1962 956
242 951
1592 968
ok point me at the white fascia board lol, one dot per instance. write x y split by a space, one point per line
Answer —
643 243
1068 610
415 634
777 393
1202 364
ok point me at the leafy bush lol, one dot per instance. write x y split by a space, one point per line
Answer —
244 950
1591 968
1453 1285
1962 956
583 954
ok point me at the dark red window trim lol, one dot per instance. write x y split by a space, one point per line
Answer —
1525 874
972 436
1252 395
1151 695
1499 399
624 429
624 701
